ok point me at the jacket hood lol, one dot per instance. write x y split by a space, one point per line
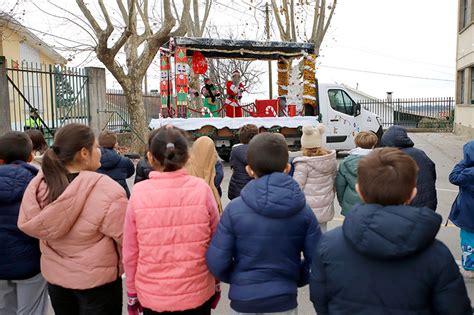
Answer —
52 221
390 232
109 158
323 163
14 178
276 195
396 136
350 163
469 153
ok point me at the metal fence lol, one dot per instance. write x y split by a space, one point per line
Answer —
117 110
58 95
424 113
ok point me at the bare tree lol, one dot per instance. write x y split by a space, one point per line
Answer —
140 49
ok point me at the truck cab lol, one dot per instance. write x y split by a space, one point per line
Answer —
343 117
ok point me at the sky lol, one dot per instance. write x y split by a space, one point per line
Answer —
407 47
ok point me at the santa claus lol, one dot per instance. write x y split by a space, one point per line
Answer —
234 89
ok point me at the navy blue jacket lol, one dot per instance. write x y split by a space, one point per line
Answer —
219 176
19 253
463 176
426 196
386 260
240 178
117 167
258 244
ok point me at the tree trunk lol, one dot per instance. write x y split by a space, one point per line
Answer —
138 119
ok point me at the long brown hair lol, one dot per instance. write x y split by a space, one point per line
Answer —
315 152
69 140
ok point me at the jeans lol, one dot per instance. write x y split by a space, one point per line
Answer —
204 309
24 297
102 300
290 312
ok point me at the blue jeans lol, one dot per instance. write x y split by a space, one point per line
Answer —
290 312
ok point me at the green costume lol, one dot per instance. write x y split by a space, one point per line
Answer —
210 93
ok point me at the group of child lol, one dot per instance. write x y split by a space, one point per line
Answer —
66 230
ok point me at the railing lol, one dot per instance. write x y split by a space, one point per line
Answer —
57 94
423 113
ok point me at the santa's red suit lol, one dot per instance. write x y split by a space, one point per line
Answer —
234 94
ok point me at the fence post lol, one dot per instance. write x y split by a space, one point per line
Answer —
5 118
97 97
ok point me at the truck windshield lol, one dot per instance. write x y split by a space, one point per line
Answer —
341 101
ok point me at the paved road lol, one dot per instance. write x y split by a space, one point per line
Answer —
445 150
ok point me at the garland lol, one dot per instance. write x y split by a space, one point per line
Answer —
309 80
283 76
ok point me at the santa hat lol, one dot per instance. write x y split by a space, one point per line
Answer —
312 136
235 72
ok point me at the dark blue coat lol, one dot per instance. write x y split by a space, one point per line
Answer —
19 253
426 196
258 244
117 167
386 260
240 178
219 176
462 214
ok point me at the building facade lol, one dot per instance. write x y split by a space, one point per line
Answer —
464 112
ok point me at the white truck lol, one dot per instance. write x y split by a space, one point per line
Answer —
341 115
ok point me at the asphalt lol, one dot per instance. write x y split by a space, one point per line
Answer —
445 149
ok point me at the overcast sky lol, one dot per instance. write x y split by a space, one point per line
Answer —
377 45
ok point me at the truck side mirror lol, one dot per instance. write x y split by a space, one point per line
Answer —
356 109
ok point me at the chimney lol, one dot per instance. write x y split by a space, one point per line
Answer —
389 96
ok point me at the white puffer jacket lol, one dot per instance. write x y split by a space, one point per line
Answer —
316 176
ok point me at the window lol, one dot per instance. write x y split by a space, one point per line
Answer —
460 87
472 85
341 102
464 17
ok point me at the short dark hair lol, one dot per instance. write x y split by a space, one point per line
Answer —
387 176
39 142
15 146
247 132
267 153
107 139
366 140
170 147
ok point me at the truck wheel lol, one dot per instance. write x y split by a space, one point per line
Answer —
224 153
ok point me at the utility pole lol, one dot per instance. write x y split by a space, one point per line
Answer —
267 24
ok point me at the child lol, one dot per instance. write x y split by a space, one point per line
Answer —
346 179
397 137
315 172
22 287
238 161
143 166
119 168
385 259
78 216
259 240
39 146
170 220
461 212
202 163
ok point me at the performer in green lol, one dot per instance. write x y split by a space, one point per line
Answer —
210 93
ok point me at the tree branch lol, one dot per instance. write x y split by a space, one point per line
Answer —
123 11
207 10
196 16
292 21
92 21
283 34
315 21
129 30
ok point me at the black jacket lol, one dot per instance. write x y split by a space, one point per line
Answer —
397 136
19 253
240 178
117 167
143 170
386 260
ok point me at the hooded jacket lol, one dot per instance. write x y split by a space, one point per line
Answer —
80 232
426 196
258 245
19 253
316 176
170 220
386 260
240 178
346 180
119 168
463 176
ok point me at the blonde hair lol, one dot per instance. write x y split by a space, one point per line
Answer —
366 140
315 152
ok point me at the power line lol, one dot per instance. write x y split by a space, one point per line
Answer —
386 73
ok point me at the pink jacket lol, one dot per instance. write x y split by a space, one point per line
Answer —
169 224
80 232
316 176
